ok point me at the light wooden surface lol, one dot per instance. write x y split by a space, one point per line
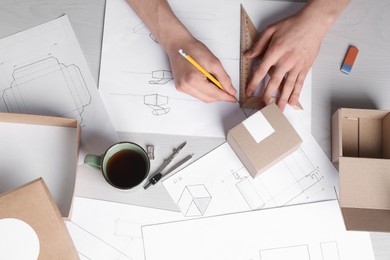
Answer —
364 24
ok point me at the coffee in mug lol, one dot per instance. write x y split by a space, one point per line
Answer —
124 165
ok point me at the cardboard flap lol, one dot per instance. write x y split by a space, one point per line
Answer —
364 183
370 138
336 136
38 120
375 220
386 136
350 136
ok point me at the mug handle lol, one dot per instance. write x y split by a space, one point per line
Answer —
93 160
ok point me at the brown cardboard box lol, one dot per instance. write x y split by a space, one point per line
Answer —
34 146
361 148
263 139
33 204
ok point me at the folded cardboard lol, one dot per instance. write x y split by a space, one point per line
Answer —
361 149
33 205
39 146
263 139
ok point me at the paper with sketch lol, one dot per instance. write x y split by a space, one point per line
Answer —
218 183
89 246
304 232
43 71
136 80
117 225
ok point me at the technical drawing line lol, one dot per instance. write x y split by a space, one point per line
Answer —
248 192
109 245
292 252
83 255
330 250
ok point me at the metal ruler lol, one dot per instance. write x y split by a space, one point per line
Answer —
248 34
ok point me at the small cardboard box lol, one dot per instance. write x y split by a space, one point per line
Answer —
34 146
33 206
361 149
263 139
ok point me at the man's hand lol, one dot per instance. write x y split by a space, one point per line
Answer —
190 80
287 50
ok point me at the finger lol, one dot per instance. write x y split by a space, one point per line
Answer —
260 44
217 70
189 84
294 97
199 87
257 76
273 84
287 87
211 93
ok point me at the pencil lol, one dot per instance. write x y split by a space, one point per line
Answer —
201 69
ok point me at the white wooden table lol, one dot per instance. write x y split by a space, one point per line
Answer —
364 24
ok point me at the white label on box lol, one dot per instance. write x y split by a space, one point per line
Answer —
258 126
18 240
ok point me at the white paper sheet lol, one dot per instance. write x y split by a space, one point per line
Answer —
136 80
89 246
43 71
118 225
218 183
304 232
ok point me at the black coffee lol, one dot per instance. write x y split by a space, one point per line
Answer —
126 169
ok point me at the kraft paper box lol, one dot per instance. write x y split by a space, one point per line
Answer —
361 149
32 226
35 146
263 139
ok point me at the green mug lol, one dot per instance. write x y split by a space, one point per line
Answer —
124 165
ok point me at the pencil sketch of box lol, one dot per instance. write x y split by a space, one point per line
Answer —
161 77
63 86
194 200
157 103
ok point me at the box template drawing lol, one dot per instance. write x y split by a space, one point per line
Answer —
31 225
263 139
361 149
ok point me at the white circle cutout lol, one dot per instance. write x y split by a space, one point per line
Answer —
18 240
